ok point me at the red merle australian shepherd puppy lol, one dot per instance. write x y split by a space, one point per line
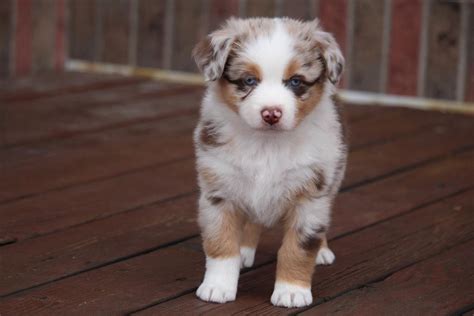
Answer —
270 150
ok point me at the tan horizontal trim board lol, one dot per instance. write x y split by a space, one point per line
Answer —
367 98
125 70
347 96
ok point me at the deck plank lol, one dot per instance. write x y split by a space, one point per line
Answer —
378 201
38 168
363 257
61 209
431 287
54 84
91 111
150 278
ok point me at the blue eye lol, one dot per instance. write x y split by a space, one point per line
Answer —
250 81
295 82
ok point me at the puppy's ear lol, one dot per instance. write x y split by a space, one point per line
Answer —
332 55
211 53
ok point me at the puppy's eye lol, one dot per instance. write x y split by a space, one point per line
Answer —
250 81
295 82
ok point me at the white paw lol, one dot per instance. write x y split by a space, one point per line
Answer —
289 295
247 257
220 280
325 256
215 293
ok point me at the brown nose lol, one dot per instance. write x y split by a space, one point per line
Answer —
271 115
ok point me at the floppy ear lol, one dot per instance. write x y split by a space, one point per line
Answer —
211 53
332 55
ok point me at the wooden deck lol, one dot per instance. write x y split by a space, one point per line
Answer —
98 208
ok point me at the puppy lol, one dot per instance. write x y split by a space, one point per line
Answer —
270 149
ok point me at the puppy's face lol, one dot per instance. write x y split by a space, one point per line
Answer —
271 72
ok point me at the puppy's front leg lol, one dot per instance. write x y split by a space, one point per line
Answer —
305 228
249 243
221 226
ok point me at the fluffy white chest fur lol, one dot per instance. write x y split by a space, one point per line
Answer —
261 170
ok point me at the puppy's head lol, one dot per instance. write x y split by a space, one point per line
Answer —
271 72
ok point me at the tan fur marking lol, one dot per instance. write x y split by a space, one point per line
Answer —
292 68
254 69
313 188
324 241
228 95
251 235
296 262
238 69
225 243
308 101
208 176
306 105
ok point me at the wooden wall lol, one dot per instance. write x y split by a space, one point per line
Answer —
32 36
406 47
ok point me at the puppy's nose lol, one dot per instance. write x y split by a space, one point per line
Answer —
271 115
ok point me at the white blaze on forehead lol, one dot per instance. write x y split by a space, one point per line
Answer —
272 52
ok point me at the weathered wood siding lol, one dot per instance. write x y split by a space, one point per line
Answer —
405 47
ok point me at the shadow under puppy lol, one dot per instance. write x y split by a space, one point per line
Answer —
270 150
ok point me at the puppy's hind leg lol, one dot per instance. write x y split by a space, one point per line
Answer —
325 255
249 243
221 226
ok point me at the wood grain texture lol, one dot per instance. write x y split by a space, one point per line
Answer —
450 227
429 142
443 50
43 35
115 289
20 223
404 47
105 222
94 111
66 153
367 51
380 196
431 287
6 12
57 84
77 205
23 37
135 230
333 18
60 35
333 14
189 27
115 27
82 159
151 29
89 202
220 11
260 8
82 29
363 257
470 61
297 9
